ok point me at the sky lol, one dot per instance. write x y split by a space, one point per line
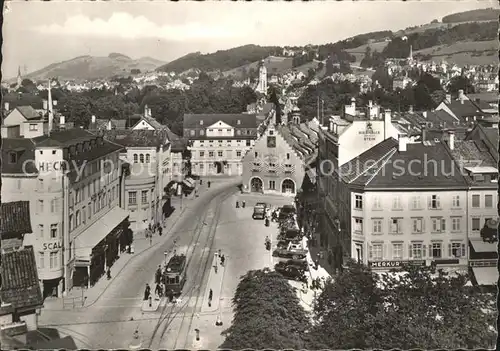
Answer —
37 34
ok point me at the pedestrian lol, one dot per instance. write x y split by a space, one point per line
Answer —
108 272
157 289
158 275
215 268
127 248
160 231
222 259
150 239
147 292
170 295
220 252
210 296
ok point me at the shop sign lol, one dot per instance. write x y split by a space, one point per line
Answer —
395 264
369 133
52 246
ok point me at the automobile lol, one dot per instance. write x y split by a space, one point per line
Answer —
283 244
266 205
291 272
259 211
294 254
297 263
286 211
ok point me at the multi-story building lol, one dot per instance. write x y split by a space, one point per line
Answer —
280 158
407 204
148 154
72 180
219 141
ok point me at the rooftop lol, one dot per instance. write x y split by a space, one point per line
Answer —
20 285
298 137
246 120
15 218
139 137
176 263
29 112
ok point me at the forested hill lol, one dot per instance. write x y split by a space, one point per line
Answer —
221 60
490 14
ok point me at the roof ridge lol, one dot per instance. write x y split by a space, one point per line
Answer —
391 151
384 161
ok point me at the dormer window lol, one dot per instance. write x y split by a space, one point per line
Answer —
201 122
12 157
238 122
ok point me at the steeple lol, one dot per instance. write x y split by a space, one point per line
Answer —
19 77
410 56
49 107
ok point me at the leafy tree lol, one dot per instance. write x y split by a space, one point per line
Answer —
460 83
329 66
135 71
268 314
424 308
345 67
430 82
77 108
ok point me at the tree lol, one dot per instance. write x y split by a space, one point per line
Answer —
329 66
421 308
135 71
268 314
77 108
460 83
430 82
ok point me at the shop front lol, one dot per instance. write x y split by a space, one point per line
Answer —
98 247
483 259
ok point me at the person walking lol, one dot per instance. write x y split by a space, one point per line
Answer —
108 272
222 259
160 231
147 292
158 275
210 296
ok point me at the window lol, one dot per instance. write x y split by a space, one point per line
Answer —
220 153
416 250
147 158
416 225
144 196
271 141
192 132
377 226
377 205
40 230
476 199
256 154
434 202
238 153
141 158
456 250
202 132
476 224
436 250
455 201
202 153
53 231
84 214
415 202
488 201
53 260
40 206
70 222
272 185
40 184
77 219
456 223
33 127
358 202
248 143
396 224
396 203
376 252
41 259
438 224
210 154
135 158
358 225
132 198
12 157
397 251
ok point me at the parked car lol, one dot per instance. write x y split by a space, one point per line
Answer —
259 211
283 244
295 254
286 211
265 205
291 272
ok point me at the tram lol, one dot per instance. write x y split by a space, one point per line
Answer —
175 274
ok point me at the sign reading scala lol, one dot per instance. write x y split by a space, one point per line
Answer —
395 264
369 133
52 246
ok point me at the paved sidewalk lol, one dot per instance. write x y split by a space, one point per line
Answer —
141 245
215 281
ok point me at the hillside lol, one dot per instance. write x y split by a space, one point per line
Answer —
222 60
489 14
92 67
463 53
273 64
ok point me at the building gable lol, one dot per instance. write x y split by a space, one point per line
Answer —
142 124
268 154
219 125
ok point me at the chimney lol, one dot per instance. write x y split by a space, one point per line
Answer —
410 109
353 103
6 106
461 96
424 114
423 130
387 124
93 119
451 139
50 108
448 98
402 143
62 121
149 112
370 103
54 102
478 100
45 105
146 110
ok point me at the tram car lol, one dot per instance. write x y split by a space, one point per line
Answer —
175 274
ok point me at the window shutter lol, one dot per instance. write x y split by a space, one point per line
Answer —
464 254
449 250
430 250
409 251
385 252
429 201
438 202
424 249
370 252
443 224
389 252
423 224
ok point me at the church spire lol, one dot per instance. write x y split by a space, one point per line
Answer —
19 78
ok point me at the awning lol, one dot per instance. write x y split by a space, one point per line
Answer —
93 235
482 246
485 275
188 182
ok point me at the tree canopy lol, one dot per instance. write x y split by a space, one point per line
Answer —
267 314
423 308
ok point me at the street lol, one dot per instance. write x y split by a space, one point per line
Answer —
203 230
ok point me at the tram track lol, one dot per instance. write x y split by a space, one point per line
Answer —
170 312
